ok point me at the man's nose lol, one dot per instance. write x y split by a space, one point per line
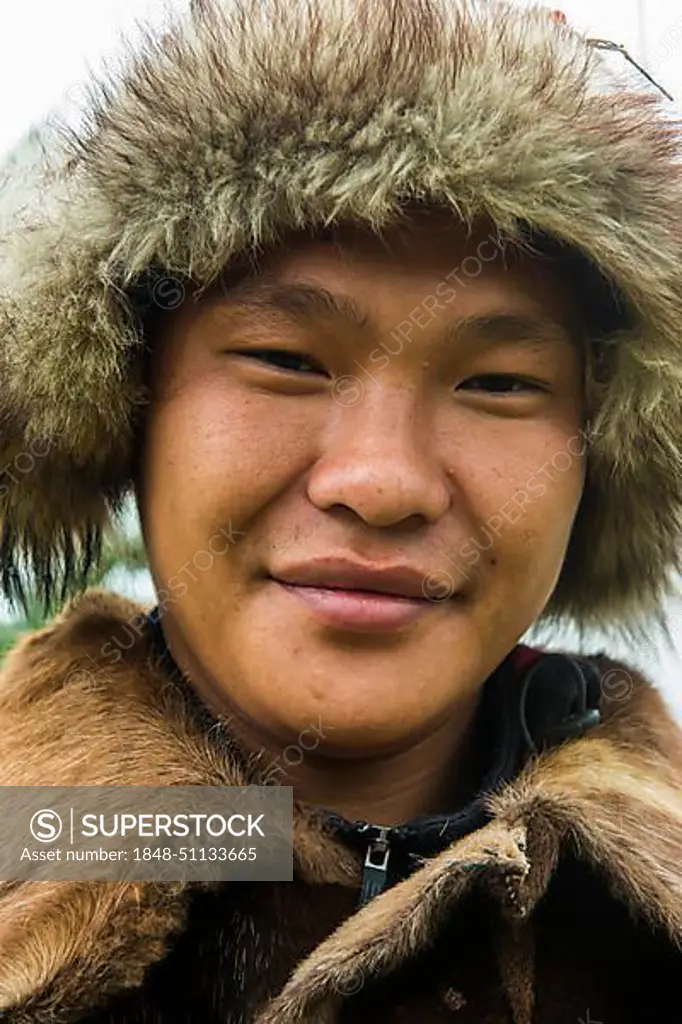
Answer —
379 460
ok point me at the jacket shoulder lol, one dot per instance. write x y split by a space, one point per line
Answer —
635 713
64 652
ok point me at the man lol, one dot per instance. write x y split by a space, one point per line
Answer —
375 308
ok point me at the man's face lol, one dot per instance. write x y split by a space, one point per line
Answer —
360 473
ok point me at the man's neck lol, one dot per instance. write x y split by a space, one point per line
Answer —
429 776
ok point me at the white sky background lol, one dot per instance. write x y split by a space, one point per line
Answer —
46 48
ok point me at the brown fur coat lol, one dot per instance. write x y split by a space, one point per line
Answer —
566 907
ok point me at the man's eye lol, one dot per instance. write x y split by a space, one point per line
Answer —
500 384
284 360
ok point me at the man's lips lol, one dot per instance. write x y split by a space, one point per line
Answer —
359 610
362 598
342 574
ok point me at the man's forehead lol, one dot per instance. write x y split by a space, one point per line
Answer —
441 247
528 261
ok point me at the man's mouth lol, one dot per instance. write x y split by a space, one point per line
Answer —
358 597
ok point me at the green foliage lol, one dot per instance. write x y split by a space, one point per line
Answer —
9 634
119 550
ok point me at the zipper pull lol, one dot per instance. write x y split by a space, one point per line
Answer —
375 870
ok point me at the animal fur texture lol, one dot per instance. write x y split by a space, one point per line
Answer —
70 717
243 120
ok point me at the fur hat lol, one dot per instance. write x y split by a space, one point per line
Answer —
243 120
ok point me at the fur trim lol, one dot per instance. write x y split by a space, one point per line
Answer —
67 717
615 796
245 120
396 925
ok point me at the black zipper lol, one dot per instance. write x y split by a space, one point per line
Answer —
377 856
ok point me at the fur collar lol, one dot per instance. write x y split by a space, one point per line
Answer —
69 716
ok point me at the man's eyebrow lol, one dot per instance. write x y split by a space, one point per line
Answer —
303 302
508 328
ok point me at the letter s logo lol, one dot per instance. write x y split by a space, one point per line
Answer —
46 826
